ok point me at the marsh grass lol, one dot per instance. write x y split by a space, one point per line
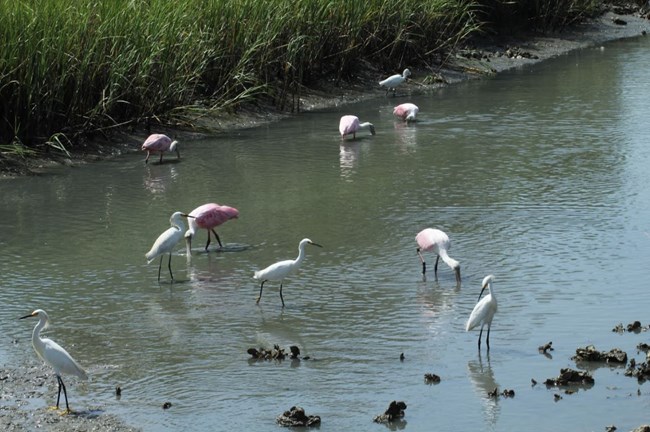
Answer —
75 67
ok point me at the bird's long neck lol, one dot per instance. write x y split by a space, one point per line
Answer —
36 334
447 259
179 225
301 254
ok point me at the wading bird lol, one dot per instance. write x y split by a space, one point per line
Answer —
484 311
54 355
159 143
406 111
434 240
282 269
394 80
208 217
166 242
350 125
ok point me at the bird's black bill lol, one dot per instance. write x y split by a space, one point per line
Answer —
482 289
316 244
26 316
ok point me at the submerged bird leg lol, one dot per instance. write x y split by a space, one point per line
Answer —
169 265
435 268
281 295
208 243
161 155
217 236
159 267
260 296
479 336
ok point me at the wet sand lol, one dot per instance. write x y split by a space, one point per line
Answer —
27 390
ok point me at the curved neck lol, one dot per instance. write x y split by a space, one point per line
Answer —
36 333
301 253
447 259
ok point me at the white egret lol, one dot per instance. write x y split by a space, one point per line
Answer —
394 80
437 241
54 355
484 311
167 240
282 269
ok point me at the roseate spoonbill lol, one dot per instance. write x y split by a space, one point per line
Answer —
435 240
166 241
208 217
159 143
394 80
350 124
54 355
483 311
406 111
282 269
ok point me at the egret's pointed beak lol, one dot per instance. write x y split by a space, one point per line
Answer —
315 244
187 216
27 316
482 289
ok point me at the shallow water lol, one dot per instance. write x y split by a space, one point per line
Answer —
540 177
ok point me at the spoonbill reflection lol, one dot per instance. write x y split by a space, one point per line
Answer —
159 143
350 125
437 241
393 81
166 241
484 311
208 217
54 355
282 269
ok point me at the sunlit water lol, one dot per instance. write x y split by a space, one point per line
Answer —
540 176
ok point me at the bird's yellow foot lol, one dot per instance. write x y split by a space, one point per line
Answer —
258 300
53 408
65 412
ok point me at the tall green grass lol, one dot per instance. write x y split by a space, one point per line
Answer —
75 67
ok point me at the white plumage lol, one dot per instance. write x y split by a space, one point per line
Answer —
54 355
394 80
166 241
484 311
282 269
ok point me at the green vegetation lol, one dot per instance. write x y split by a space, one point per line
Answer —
70 68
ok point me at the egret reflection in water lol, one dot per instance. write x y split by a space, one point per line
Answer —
482 378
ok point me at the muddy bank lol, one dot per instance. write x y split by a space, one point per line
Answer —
25 393
478 59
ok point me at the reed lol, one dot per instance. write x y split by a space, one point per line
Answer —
70 68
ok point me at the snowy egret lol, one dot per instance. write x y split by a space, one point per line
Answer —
435 240
484 311
54 355
394 80
159 143
406 111
208 217
282 269
350 124
166 241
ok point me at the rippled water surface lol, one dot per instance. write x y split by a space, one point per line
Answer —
539 176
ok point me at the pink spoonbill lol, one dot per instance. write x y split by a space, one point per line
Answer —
282 269
406 111
208 217
166 242
393 81
350 125
435 240
159 143
484 311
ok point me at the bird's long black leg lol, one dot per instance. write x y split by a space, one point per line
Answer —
435 267
424 268
160 266
479 338
218 239
487 340
161 155
65 394
58 395
208 243
281 298
260 297
169 265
